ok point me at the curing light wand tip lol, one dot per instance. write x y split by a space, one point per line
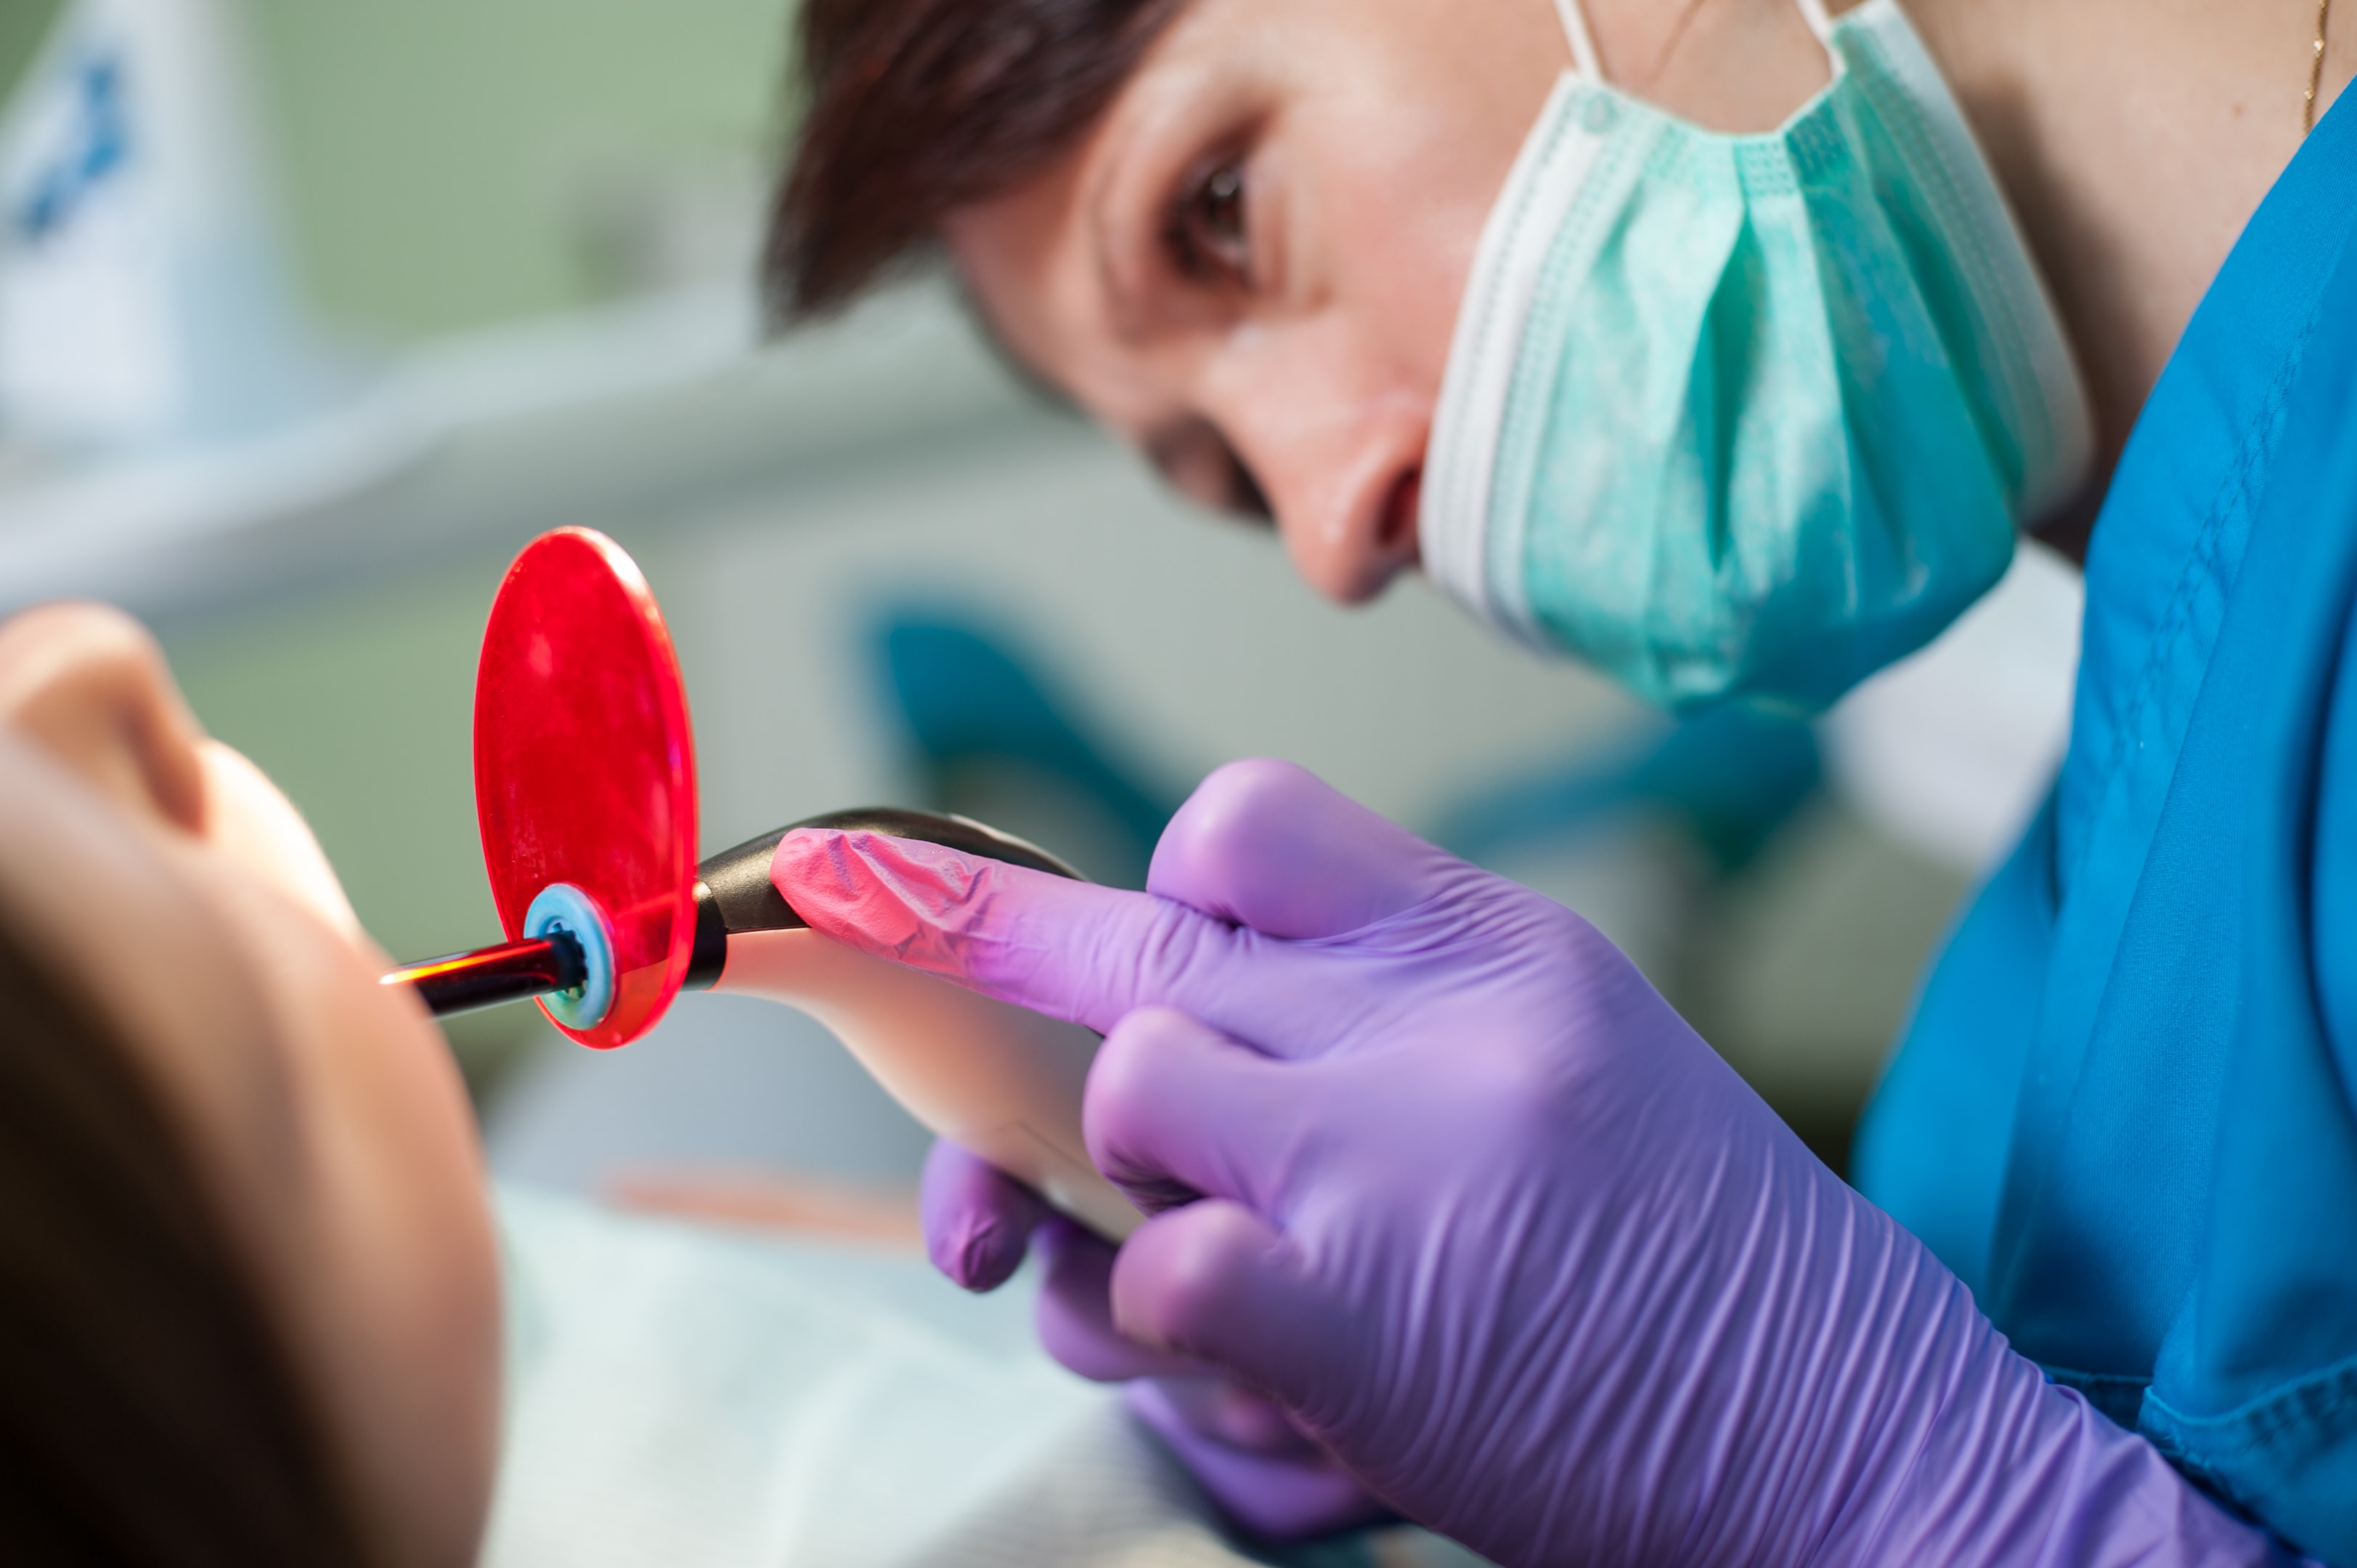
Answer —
486 977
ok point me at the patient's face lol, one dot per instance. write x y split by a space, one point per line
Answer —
1250 268
323 1108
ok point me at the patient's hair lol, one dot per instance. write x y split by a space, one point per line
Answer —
148 1414
916 108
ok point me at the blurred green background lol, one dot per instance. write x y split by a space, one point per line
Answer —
452 163
22 24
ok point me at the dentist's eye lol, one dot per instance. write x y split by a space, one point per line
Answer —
1208 234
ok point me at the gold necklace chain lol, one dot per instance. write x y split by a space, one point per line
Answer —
2316 67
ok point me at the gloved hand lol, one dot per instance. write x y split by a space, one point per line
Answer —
1250 1457
1437 1170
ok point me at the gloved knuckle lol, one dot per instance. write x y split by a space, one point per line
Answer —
1177 947
1133 1049
1195 1274
1238 797
1213 848
1120 1085
1154 1026
1521 1093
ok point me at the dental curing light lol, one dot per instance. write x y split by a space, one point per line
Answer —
585 793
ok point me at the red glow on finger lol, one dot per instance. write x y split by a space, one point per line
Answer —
897 898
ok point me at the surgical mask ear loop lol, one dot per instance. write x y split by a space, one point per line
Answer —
1814 13
1583 45
1588 63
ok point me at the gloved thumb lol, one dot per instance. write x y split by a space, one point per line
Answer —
1215 1281
978 1220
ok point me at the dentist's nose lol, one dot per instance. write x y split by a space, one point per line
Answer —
1345 487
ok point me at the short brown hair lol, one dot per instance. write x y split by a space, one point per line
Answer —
149 1415
916 108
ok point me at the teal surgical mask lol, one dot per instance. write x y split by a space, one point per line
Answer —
1748 415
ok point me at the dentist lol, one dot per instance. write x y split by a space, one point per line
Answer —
1725 345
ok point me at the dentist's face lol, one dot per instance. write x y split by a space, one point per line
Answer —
1250 268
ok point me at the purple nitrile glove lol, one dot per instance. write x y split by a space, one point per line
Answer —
1249 1457
1485 1215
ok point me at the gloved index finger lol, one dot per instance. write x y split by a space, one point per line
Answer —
1074 950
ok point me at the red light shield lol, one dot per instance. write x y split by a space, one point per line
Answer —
584 764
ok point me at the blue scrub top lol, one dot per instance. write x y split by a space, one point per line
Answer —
2124 1111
